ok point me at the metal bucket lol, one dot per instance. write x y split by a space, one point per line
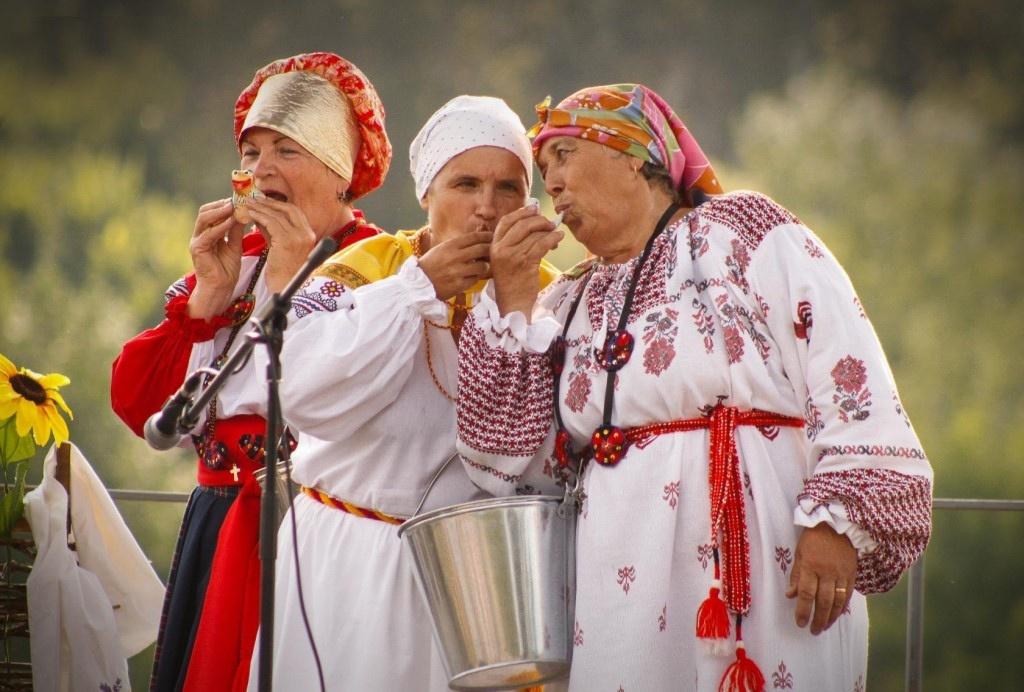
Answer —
285 489
499 579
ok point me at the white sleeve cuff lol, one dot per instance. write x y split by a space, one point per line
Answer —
809 514
512 332
414 289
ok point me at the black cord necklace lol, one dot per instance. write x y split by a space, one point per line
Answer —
607 444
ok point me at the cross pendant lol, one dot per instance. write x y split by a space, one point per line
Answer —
234 472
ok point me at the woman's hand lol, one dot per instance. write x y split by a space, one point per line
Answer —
457 263
216 249
521 240
289 235
822 578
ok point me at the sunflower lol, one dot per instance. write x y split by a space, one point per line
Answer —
34 399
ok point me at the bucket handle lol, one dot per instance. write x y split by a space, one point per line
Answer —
433 481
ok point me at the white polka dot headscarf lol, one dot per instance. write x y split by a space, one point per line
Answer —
462 124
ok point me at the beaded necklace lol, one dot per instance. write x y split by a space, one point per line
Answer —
213 452
607 443
454 327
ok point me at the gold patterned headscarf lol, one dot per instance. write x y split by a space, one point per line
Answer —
310 110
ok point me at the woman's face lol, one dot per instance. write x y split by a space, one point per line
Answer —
473 191
285 171
591 185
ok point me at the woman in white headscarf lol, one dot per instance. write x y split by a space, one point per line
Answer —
370 379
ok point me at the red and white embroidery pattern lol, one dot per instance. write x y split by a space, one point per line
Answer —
872 451
705 324
671 495
578 391
698 236
812 249
627 575
659 333
854 398
737 262
860 307
859 685
730 329
784 557
577 637
663 618
812 420
750 215
508 411
899 408
804 321
500 475
894 508
320 296
704 554
782 679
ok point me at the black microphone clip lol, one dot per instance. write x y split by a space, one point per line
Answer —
162 428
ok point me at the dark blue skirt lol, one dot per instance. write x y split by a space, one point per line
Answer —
186 584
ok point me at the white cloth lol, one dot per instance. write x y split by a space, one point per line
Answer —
738 302
464 123
88 610
372 430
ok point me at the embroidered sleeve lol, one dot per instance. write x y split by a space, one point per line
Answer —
152 365
505 423
864 458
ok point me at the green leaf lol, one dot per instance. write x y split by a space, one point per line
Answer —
11 506
14 447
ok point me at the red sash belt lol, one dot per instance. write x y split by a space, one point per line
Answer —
728 517
239 450
325 499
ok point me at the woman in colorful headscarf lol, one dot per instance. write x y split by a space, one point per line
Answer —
310 128
713 378
376 416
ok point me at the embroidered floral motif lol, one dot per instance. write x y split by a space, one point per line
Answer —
213 452
663 618
705 324
698 237
737 263
627 575
784 557
671 495
731 331
860 307
872 451
854 398
750 215
658 335
804 321
310 300
812 420
704 554
116 687
770 432
577 637
899 408
859 685
812 249
746 485
332 289
782 679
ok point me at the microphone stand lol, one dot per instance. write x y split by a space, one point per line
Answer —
269 328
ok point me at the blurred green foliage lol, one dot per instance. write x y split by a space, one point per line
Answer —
894 130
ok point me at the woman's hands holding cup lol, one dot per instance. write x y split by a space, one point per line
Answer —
521 240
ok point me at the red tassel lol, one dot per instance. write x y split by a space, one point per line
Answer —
742 675
713 621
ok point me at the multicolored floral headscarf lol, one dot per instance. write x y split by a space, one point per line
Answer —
633 119
373 158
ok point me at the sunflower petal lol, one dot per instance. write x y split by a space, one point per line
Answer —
41 427
53 380
26 415
6 367
59 400
6 390
8 407
60 428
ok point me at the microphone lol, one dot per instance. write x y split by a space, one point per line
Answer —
161 429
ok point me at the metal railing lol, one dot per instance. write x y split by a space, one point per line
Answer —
914 663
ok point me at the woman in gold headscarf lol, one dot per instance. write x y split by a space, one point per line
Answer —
310 128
